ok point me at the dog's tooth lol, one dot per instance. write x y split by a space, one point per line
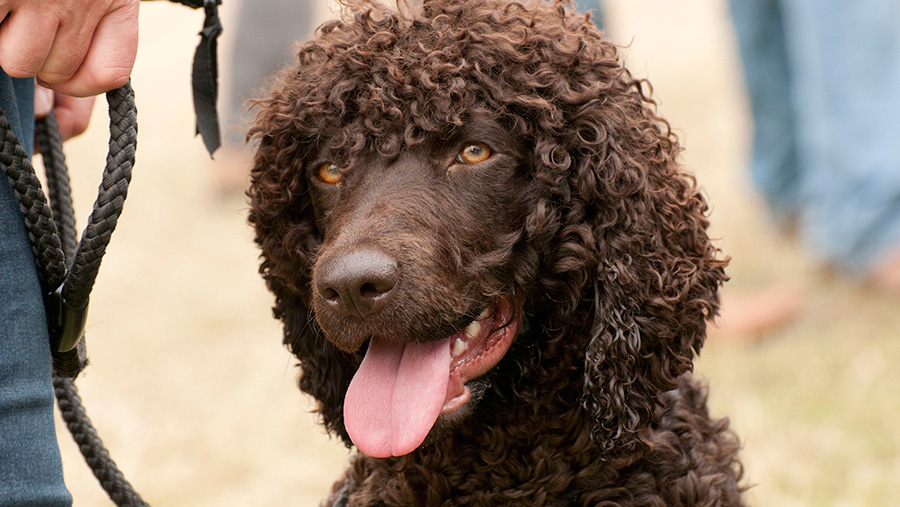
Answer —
459 347
473 329
484 314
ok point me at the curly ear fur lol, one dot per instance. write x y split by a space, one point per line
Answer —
631 264
633 245
627 273
655 288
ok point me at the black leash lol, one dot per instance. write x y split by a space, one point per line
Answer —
67 270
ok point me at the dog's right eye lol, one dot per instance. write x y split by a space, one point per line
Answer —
473 153
329 173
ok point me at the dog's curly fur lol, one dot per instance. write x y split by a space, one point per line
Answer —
592 224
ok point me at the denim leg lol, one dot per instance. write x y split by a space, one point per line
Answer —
774 166
847 87
596 8
30 464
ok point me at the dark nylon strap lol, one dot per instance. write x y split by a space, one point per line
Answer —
205 79
194 4
205 74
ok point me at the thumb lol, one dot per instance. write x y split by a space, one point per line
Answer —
43 101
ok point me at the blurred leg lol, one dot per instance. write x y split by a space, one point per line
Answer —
596 9
265 35
846 57
774 166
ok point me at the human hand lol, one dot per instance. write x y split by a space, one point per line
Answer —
72 113
75 47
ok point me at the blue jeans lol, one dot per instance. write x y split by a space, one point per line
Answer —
596 8
824 84
30 464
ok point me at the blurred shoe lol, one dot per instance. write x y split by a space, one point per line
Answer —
886 275
753 315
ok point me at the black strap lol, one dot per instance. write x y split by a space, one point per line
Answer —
193 4
204 78
205 74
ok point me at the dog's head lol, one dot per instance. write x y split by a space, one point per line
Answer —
428 182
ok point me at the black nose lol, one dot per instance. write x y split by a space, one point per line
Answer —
358 283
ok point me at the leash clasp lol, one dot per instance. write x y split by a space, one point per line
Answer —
65 322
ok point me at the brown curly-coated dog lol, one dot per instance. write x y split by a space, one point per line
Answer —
488 262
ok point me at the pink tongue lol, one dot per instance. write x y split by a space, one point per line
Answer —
396 396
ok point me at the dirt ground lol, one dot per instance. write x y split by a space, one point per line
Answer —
195 396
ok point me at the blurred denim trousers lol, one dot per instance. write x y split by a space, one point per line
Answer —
823 78
30 464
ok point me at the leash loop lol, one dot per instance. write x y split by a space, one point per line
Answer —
67 270
110 199
68 280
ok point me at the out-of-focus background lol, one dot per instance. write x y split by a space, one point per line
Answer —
195 396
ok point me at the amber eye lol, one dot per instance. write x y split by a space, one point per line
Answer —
329 173
473 153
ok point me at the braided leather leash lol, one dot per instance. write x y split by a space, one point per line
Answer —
67 269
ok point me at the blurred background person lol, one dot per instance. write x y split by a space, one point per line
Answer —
823 78
263 42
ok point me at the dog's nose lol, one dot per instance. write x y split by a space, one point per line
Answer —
359 283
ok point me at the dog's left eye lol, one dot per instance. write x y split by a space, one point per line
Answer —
330 173
473 153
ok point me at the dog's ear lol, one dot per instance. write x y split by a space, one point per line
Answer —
632 265
288 236
654 280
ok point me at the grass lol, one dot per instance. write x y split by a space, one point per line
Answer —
815 403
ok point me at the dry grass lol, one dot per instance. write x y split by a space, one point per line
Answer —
194 395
